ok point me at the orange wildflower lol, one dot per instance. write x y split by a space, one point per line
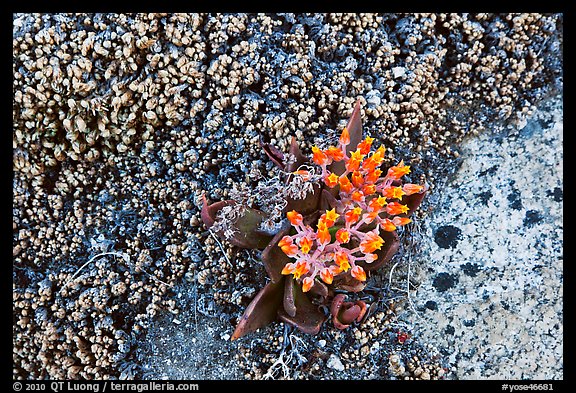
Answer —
345 137
330 217
396 172
410 189
377 203
373 176
342 235
369 189
357 179
388 225
358 273
300 268
326 276
394 208
294 217
307 283
342 261
331 180
287 245
353 215
354 162
399 221
393 192
365 145
319 157
335 153
305 245
357 196
345 185
372 242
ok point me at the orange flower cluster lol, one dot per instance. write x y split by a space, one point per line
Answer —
348 233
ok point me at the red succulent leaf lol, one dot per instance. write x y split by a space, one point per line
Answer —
275 155
208 212
307 205
297 153
348 313
307 318
247 233
354 127
261 311
273 258
289 298
344 313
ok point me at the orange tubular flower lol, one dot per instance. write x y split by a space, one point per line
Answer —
388 225
369 189
300 268
343 236
342 261
353 215
357 196
377 203
345 185
357 179
326 276
330 217
358 273
305 245
331 180
371 243
345 137
294 217
322 235
396 172
365 145
319 157
372 177
371 258
288 268
369 217
354 162
335 153
393 192
410 189
287 246
394 208
400 221
374 161
307 284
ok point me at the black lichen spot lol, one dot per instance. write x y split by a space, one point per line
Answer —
532 217
470 269
449 330
431 305
557 194
490 171
444 281
514 200
469 322
484 197
447 236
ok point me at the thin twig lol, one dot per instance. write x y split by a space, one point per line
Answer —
221 247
